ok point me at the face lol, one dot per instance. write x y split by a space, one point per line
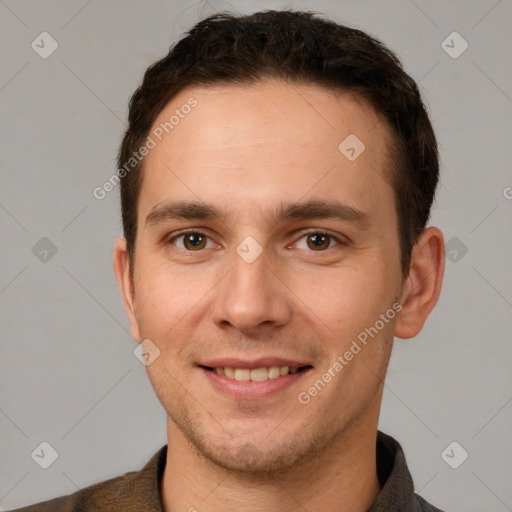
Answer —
263 248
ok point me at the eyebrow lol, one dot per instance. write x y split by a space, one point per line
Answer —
314 209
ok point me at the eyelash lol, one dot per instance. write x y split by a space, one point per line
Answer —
303 234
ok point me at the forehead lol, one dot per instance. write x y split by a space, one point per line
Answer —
264 142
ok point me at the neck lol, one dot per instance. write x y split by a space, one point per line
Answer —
342 478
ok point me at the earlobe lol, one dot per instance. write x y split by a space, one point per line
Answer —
125 283
423 284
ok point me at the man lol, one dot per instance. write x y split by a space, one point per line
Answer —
276 176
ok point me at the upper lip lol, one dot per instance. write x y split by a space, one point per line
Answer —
262 362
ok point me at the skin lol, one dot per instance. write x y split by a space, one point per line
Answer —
246 150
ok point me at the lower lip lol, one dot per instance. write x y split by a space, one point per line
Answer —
252 390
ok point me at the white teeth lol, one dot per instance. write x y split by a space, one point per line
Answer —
273 372
257 374
242 374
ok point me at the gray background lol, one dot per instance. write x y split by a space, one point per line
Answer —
68 375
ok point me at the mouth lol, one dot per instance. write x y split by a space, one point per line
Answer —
260 374
253 380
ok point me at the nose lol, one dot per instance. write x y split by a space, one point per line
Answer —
252 297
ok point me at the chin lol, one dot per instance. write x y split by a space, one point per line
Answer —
254 460
264 455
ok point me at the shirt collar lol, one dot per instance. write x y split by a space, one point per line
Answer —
397 488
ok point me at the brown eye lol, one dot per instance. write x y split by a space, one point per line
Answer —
194 241
318 241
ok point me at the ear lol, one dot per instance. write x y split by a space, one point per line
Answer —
423 283
125 283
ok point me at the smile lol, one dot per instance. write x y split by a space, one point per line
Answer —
256 374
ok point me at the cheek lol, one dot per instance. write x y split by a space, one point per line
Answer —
167 298
346 300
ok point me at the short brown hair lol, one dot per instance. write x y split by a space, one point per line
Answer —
298 47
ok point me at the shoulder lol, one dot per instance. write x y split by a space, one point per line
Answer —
397 486
424 506
135 490
98 497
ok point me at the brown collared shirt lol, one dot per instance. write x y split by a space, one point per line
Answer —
140 492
